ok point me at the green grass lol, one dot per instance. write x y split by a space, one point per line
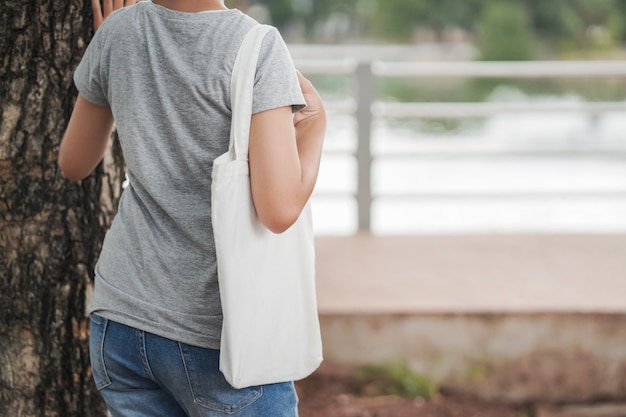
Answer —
394 379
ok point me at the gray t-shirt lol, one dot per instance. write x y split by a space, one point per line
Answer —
166 76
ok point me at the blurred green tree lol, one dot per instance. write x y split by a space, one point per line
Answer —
397 20
555 25
281 11
505 33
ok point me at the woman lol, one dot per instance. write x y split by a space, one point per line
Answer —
160 71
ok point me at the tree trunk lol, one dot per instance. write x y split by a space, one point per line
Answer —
50 229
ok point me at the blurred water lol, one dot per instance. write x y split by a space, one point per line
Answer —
490 185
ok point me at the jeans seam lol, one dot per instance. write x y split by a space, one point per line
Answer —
145 364
182 357
107 380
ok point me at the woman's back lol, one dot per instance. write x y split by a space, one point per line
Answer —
166 77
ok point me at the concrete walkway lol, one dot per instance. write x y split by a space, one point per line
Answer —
495 273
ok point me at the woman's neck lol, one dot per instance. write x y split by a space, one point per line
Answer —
192 6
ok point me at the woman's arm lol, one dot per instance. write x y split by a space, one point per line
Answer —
284 154
90 126
85 139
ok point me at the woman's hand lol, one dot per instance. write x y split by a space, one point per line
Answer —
101 12
314 105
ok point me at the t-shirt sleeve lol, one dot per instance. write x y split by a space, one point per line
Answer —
88 76
276 83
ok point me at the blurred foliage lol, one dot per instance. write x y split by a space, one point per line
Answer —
558 26
281 11
483 89
394 379
505 33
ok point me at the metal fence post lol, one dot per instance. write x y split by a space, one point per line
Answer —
365 94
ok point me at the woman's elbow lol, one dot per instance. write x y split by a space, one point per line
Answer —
70 170
281 219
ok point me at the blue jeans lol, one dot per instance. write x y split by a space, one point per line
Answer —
140 374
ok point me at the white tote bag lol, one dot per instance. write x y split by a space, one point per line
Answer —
271 328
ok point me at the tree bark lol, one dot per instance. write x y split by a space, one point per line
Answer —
50 229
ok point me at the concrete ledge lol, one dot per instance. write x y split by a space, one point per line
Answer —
515 358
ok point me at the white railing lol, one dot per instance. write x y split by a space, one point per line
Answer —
366 107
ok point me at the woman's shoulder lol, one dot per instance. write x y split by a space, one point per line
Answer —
122 14
117 19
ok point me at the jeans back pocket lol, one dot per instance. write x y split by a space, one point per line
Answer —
209 387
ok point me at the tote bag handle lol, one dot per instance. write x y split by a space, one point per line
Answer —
241 90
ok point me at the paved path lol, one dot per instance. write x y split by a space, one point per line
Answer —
448 274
